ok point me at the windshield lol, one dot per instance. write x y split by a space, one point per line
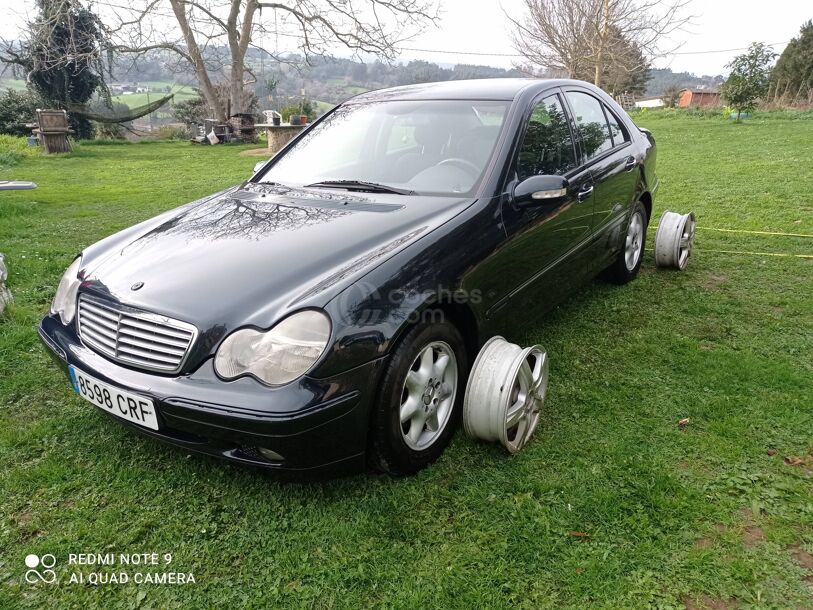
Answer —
426 147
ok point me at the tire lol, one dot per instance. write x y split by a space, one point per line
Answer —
392 448
625 268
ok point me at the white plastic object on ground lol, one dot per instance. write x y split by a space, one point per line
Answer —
505 393
674 240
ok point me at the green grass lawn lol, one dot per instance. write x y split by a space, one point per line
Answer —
322 107
134 100
612 504
12 83
182 92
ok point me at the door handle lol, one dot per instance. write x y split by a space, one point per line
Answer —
584 193
630 164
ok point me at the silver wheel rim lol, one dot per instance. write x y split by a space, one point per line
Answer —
428 395
674 239
526 399
686 242
506 393
635 241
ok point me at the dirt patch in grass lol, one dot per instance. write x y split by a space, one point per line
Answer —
706 542
804 559
256 152
804 462
753 535
714 281
24 518
707 602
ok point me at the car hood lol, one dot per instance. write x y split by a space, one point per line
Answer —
250 254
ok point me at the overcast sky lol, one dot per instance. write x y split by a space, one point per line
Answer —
482 27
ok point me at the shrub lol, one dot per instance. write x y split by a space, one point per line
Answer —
108 131
15 149
16 109
171 132
191 111
671 97
306 107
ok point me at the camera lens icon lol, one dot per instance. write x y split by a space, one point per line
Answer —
45 573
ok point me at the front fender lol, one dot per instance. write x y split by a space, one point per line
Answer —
441 270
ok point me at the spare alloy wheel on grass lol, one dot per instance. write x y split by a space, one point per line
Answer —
505 393
674 240
5 293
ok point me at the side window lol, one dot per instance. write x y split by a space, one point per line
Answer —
593 127
616 129
547 148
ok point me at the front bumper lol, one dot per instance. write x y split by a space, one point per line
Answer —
313 424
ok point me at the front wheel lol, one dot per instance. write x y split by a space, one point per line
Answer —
628 263
421 398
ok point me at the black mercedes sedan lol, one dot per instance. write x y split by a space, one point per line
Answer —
324 314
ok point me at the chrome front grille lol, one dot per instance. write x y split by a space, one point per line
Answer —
130 336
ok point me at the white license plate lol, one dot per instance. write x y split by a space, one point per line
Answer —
132 407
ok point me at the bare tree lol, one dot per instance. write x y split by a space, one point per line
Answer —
552 35
212 37
590 38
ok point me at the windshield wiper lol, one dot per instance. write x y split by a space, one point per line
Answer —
360 185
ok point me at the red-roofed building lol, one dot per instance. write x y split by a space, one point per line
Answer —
699 97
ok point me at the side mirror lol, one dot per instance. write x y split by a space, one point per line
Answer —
537 190
259 166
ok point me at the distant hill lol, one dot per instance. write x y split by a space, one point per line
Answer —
333 80
664 79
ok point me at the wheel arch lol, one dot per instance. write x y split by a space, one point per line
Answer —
646 199
460 315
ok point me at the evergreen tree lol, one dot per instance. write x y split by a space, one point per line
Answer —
794 68
62 58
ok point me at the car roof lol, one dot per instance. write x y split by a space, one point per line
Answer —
480 89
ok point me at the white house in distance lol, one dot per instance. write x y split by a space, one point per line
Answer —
653 101
128 88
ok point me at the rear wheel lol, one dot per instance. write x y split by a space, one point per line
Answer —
421 399
628 263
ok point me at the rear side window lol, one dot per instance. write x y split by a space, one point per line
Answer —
616 129
593 127
547 148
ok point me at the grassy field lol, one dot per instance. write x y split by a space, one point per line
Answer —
134 100
612 505
182 92
12 83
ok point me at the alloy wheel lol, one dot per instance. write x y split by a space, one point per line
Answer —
428 395
635 241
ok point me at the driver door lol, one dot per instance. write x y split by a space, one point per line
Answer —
543 258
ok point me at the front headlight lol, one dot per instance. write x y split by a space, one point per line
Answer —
64 302
279 355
